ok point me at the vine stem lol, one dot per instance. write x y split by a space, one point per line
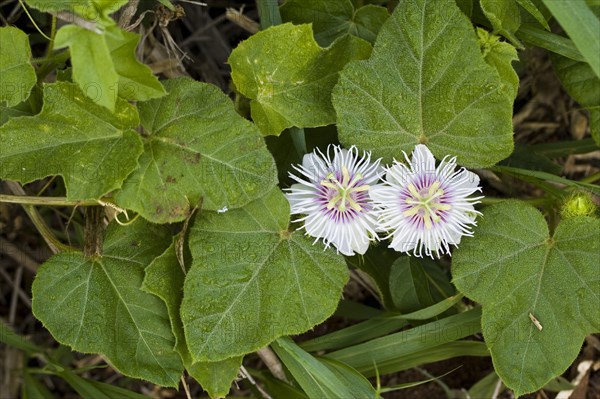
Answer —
53 243
32 20
45 201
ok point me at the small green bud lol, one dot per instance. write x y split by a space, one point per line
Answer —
579 204
486 40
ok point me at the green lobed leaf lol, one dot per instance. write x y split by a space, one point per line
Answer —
90 147
582 26
21 109
518 272
333 19
486 387
377 263
252 280
289 77
164 278
93 68
505 17
135 80
445 95
96 305
58 5
582 84
500 55
196 146
18 76
409 285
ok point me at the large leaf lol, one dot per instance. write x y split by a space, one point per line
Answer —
94 10
289 77
58 5
196 146
540 293
18 76
164 278
444 94
21 109
252 280
583 85
96 305
90 147
377 263
409 285
334 19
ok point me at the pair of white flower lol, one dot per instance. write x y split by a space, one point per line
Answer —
347 200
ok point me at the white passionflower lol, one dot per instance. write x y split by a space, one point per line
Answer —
333 195
424 207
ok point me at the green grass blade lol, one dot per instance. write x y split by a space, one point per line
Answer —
355 334
315 378
363 357
356 311
10 338
563 148
532 175
429 355
531 8
375 327
581 25
89 389
549 41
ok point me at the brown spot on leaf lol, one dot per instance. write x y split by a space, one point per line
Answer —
178 211
191 157
171 179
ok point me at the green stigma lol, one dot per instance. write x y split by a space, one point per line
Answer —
427 203
343 198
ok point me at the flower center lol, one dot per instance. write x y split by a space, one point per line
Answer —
344 190
426 203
